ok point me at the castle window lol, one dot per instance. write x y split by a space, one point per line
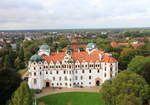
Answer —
57 84
98 71
35 81
81 82
40 73
111 69
82 65
66 78
89 82
76 71
81 77
66 84
40 67
69 66
70 84
34 74
89 77
59 78
64 72
70 79
105 68
89 71
54 78
70 72
110 75
57 72
82 71
105 75
34 68
60 83
85 65
46 72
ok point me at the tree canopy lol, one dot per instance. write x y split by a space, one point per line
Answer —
22 96
9 81
141 66
127 88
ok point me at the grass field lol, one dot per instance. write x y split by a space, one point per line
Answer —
73 98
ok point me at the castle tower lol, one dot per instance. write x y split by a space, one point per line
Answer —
35 68
91 47
44 50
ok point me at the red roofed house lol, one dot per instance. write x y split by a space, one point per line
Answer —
75 47
133 44
137 44
70 69
115 44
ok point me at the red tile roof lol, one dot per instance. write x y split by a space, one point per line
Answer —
76 46
80 56
115 44
137 45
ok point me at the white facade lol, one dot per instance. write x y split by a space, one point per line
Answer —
70 74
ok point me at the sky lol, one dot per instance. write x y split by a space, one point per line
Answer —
69 14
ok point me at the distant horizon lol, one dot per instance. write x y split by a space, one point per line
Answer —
26 29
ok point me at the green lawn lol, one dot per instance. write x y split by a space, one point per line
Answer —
73 98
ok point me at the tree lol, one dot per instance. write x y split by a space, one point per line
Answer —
126 56
141 66
9 82
7 61
22 96
127 88
19 64
21 54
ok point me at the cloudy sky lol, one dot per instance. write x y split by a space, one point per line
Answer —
58 14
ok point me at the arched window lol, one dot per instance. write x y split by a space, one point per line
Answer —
34 73
66 78
89 71
82 71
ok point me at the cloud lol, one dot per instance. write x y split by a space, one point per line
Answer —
33 14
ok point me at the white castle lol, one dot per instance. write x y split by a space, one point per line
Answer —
70 69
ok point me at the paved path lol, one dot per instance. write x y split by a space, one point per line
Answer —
48 91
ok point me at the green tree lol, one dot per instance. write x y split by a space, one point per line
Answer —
19 64
7 61
22 96
21 54
141 66
127 88
126 56
9 82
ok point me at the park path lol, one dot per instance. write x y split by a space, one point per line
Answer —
48 91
